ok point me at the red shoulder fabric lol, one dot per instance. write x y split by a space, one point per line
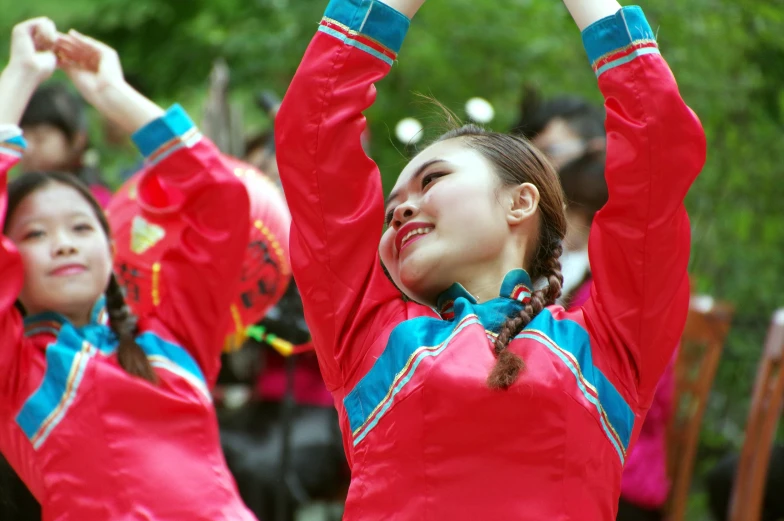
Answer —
197 278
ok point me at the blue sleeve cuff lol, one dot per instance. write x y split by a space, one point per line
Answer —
171 127
12 143
369 23
627 30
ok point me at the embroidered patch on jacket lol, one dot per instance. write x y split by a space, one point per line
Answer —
145 235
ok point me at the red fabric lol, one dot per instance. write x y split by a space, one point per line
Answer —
265 272
441 445
118 447
645 482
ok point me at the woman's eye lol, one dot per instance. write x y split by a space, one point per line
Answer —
429 178
33 234
388 218
83 227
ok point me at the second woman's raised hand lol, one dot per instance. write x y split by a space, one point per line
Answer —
94 67
95 70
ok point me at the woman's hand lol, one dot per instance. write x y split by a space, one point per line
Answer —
31 61
95 70
94 67
32 44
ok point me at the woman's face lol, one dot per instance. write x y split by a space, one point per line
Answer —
447 220
50 149
560 142
65 252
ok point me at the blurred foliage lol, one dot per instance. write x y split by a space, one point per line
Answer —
728 57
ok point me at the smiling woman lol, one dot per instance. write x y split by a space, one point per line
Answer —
474 398
87 391
499 177
63 242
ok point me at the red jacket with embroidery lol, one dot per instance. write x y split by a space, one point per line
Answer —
92 442
426 438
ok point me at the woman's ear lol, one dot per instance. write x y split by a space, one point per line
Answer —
523 202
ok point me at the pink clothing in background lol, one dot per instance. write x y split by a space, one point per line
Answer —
309 387
102 194
645 482
580 295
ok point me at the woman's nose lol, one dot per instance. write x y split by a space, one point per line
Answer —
403 213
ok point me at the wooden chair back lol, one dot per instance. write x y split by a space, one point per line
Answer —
766 404
702 343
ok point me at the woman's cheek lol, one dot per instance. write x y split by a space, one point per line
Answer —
385 247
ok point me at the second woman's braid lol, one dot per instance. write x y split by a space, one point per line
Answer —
547 264
122 322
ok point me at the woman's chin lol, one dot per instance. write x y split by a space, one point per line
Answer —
413 275
418 286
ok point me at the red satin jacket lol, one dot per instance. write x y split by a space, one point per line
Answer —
426 438
92 442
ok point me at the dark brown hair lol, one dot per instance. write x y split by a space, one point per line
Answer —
536 113
121 320
584 184
517 161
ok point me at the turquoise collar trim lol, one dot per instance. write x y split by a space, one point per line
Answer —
53 322
516 286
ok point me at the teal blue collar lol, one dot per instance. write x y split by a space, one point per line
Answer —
52 322
516 286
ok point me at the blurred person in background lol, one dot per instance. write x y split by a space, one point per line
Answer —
563 127
55 127
570 129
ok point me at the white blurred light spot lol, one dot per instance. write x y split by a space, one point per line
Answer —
480 110
702 303
408 131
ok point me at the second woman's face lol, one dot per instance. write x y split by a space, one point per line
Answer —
445 219
65 252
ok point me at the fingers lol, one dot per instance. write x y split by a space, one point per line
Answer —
28 25
92 42
77 52
44 35
41 31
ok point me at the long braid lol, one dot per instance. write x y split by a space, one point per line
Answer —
123 323
546 264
